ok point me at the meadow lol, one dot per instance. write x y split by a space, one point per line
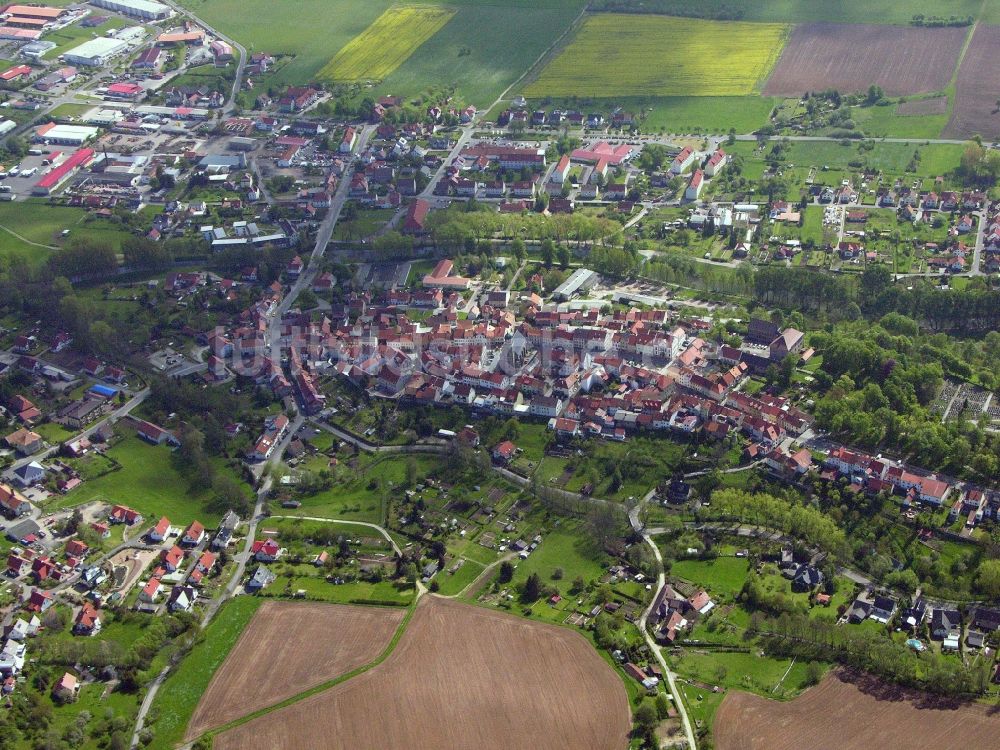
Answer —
633 55
147 481
386 44
35 221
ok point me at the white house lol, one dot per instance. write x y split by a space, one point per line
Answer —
716 163
694 186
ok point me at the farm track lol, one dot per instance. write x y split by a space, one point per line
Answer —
307 644
977 87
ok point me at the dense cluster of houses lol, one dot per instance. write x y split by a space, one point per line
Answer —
991 240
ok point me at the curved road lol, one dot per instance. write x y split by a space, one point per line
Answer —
661 581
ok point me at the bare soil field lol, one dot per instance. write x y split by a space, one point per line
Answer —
461 677
849 58
978 88
287 648
935 105
853 712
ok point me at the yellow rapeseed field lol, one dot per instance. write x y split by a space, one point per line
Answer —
386 44
641 55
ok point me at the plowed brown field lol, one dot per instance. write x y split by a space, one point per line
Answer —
978 88
461 678
851 712
849 58
287 648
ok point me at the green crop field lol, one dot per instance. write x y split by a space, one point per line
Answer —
633 55
469 53
386 44
310 30
481 50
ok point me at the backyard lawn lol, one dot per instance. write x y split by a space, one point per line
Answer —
723 575
147 481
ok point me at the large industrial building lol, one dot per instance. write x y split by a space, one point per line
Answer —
96 52
144 9
65 135
581 280
58 175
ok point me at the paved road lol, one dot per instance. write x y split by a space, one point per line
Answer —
240 49
117 414
323 235
661 581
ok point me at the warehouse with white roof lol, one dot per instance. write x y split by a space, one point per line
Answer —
96 52
144 9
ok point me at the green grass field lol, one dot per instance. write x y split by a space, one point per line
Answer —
180 693
633 55
355 499
468 51
837 11
723 575
148 482
885 121
35 221
708 114
386 44
311 30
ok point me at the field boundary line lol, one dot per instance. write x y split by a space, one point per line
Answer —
323 686
536 67
952 90
761 83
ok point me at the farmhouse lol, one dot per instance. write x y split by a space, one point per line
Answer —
193 535
125 515
12 503
66 689
24 441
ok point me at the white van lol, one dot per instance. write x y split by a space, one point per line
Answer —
29 172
